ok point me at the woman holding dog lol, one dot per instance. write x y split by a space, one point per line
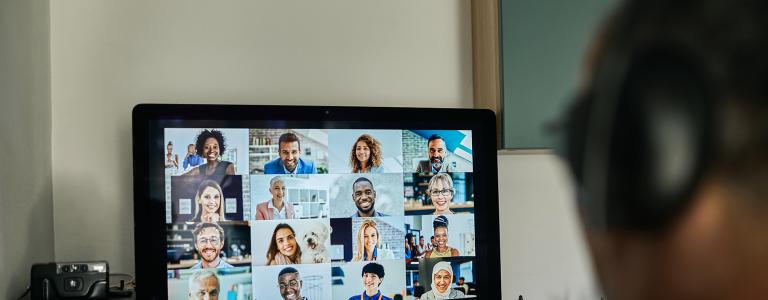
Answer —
369 243
283 247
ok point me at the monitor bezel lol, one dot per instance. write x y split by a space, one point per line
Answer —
149 213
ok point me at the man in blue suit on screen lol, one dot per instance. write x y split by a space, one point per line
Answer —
290 161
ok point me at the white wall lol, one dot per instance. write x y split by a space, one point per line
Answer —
26 217
543 255
107 56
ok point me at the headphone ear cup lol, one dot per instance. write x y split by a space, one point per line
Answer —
654 151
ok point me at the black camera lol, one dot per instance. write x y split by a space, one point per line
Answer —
70 280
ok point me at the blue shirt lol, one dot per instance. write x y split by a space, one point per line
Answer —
374 297
375 214
192 161
303 167
222 264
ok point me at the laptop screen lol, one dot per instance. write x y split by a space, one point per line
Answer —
340 208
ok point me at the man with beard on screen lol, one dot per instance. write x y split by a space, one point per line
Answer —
209 240
364 197
290 161
437 152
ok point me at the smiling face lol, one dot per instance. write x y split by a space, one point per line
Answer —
442 280
206 288
362 152
277 190
286 242
364 196
370 238
210 200
211 149
371 283
208 244
441 238
436 152
289 154
441 195
290 286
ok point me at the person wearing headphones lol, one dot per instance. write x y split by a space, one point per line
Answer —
668 146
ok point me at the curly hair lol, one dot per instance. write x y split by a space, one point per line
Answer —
375 158
272 251
205 135
361 237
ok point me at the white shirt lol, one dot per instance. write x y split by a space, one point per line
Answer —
278 215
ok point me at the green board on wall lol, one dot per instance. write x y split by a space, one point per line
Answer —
543 43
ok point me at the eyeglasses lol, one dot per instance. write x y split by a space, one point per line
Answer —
213 241
446 192
292 283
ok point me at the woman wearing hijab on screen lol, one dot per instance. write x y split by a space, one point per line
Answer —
210 145
283 247
442 283
369 243
441 249
209 199
441 192
366 155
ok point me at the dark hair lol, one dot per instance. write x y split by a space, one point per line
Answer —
288 137
435 137
361 179
461 278
201 226
440 221
206 134
199 207
373 268
728 40
375 158
272 251
287 270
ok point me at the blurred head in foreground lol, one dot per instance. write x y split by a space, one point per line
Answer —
668 145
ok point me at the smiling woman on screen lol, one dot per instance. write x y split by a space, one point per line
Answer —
210 145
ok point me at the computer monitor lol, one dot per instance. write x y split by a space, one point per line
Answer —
284 202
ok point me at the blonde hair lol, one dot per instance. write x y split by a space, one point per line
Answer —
359 253
444 177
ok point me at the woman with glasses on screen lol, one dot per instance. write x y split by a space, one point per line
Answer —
283 247
209 199
369 243
366 155
440 190
441 248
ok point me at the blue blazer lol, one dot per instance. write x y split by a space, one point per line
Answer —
276 167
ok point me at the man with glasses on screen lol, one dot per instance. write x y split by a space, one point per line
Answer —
364 197
290 283
209 240
290 161
204 285
438 161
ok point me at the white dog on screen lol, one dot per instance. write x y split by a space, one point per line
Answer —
313 244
